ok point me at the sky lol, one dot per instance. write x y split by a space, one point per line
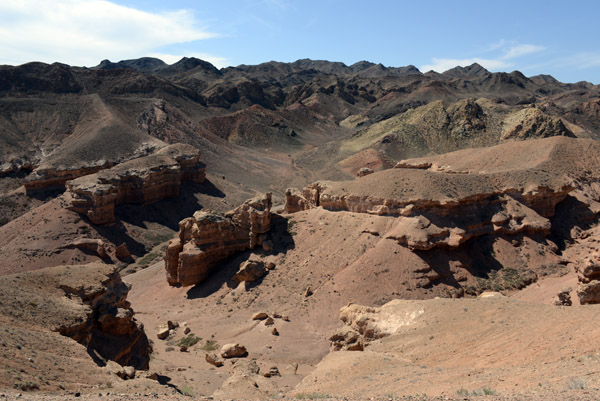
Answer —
559 38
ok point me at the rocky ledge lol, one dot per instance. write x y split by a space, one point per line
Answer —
208 238
450 214
144 180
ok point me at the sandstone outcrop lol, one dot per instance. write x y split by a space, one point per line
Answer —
588 271
94 245
143 180
442 202
208 238
423 224
107 326
246 382
364 324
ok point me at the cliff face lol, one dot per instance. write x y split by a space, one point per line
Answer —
144 180
439 220
208 238
108 327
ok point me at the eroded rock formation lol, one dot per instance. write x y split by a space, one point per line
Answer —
143 180
364 324
440 220
107 326
208 238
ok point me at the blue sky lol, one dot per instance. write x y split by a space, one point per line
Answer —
552 37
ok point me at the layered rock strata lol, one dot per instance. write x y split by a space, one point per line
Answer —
426 223
208 238
108 327
143 180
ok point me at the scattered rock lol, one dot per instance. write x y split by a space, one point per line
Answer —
364 171
250 271
273 371
274 331
260 316
270 265
183 348
172 325
213 359
163 333
233 351
308 292
269 321
122 252
129 372
187 330
124 372
564 298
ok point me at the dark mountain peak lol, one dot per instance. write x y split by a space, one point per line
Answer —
544 79
328 67
473 70
190 63
361 65
411 69
518 74
142 64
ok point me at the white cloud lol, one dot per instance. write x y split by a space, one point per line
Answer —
83 32
521 50
509 52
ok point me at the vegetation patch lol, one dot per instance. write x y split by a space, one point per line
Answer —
310 396
189 340
210 345
291 227
504 279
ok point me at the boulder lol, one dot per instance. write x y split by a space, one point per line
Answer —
260 316
564 298
273 371
214 359
589 293
250 271
233 351
364 171
163 333
122 252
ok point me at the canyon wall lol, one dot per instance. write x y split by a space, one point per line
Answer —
144 180
208 238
